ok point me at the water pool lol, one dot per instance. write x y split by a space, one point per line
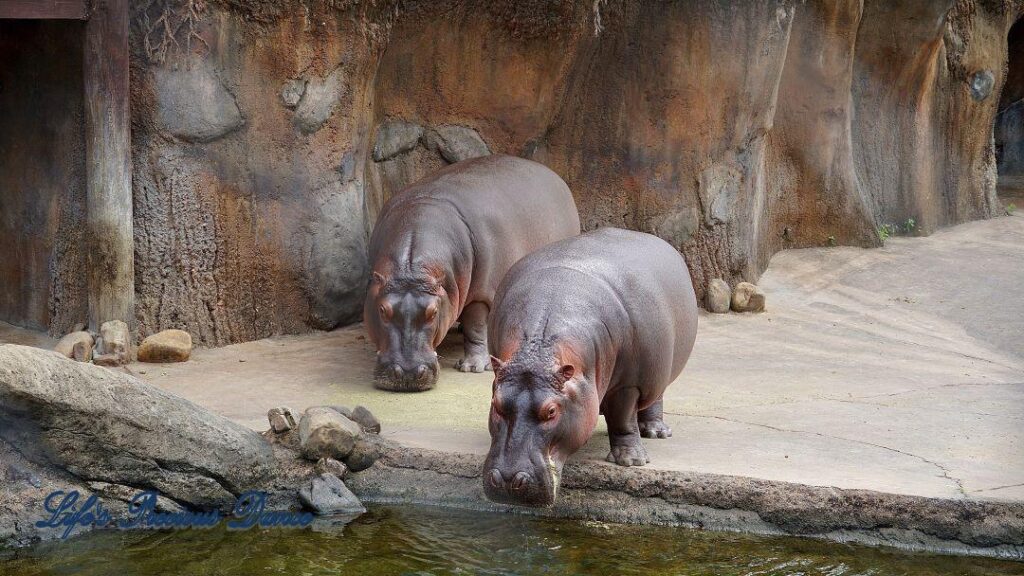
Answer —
425 540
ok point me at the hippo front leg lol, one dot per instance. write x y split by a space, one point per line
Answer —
623 430
474 333
652 421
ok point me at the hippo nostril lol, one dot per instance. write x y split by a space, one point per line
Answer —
495 478
421 372
396 372
520 481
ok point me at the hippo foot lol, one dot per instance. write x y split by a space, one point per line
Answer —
654 429
629 455
474 364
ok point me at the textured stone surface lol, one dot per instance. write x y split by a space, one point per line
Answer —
114 346
76 345
193 103
456 143
395 137
719 296
366 451
331 466
281 419
327 494
367 421
324 432
166 346
105 426
747 297
823 126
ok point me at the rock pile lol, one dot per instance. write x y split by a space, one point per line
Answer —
720 298
339 440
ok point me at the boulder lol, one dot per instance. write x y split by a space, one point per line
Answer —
292 91
718 297
77 345
324 432
327 494
331 466
166 346
747 298
456 143
192 102
318 101
281 419
395 137
114 345
367 450
366 420
106 426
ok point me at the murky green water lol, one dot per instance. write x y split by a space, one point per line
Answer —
422 540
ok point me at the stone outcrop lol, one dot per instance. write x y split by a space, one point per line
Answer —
192 102
326 494
326 433
76 345
747 297
718 297
114 346
103 426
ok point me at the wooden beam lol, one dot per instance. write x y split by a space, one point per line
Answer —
44 9
111 255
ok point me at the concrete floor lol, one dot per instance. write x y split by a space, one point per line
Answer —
898 369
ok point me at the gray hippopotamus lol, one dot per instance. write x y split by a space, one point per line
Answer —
596 324
438 252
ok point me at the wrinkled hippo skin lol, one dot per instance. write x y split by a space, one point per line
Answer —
438 252
597 324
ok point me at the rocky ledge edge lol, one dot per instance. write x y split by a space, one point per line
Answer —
608 493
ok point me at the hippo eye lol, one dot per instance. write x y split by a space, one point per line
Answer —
384 311
430 312
549 411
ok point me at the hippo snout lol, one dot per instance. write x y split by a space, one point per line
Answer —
517 487
413 376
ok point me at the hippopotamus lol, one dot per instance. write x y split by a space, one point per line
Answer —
438 252
596 324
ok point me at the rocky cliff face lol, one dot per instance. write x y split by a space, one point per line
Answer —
267 134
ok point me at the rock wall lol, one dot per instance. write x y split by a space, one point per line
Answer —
267 135
42 175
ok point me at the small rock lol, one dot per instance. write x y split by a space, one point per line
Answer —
77 345
366 451
324 432
292 91
719 296
395 137
318 102
366 420
166 346
331 466
113 346
281 419
327 494
456 143
747 298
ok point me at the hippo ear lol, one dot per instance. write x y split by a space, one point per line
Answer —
564 374
496 364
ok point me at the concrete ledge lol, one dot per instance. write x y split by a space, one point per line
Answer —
604 492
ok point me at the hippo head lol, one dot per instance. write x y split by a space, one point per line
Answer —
406 316
543 410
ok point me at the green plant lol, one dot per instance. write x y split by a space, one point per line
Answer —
910 225
831 240
1010 209
884 231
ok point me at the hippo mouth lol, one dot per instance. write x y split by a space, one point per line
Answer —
537 490
392 380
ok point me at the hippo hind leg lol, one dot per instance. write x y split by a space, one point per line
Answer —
474 334
652 422
623 431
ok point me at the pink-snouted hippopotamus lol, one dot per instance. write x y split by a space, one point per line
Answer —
597 324
438 252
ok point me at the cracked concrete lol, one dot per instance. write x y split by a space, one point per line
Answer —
897 370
